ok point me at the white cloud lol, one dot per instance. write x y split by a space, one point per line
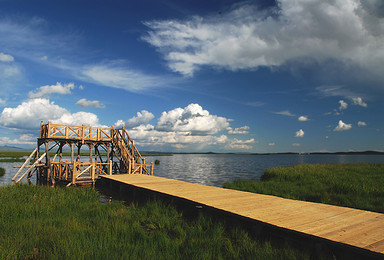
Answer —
247 38
284 113
271 144
342 127
78 118
89 103
359 101
142 118
241 145
192 119
46 90
361 123
24 139
116 75
44 58
239 131
30 113
6 57
299 133
303 118
296 144
343 105
2 102
190 128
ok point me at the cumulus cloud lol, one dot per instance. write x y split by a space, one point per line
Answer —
271 144
30 113
24 139
342 127
296 144
303 118
89 103
142 118
46 90
192 119
6 57
239 131
247 38
299 133
343 105
2 102
190 127
361 123
359 101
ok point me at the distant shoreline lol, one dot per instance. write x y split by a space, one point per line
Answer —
160 153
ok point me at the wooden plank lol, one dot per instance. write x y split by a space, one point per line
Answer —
348 226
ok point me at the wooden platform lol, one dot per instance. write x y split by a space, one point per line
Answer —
356 228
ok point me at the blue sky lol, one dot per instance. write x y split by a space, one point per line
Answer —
189 76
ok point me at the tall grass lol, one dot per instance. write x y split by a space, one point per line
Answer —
40 222
352 185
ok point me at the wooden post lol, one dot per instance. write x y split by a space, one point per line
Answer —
82 134
110 168
41 129
151 168
47 162
109 159
66 170
133 164
72 152
49 129
143 165
93 172
74 172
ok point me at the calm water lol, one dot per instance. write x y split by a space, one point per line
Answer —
216 169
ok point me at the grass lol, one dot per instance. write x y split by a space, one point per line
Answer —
39 222
2 171
351 185
15 154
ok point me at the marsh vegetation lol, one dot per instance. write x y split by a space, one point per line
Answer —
39 222
351 185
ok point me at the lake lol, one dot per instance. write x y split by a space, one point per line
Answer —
216 169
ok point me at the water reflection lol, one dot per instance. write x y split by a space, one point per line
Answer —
216 169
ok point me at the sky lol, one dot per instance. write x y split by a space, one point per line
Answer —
258 76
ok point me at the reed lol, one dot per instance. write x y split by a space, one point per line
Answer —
71 223
351 185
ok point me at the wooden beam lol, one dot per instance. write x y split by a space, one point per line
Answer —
26 161
33 165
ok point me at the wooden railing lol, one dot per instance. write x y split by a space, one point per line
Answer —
83 132
78 171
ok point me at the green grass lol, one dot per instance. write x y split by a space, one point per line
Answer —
71 223
15 154
2 171
351 185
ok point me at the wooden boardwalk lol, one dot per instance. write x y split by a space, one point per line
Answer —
356 228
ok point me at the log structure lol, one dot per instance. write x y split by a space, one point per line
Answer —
108 151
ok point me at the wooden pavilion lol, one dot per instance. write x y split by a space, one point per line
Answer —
107 151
